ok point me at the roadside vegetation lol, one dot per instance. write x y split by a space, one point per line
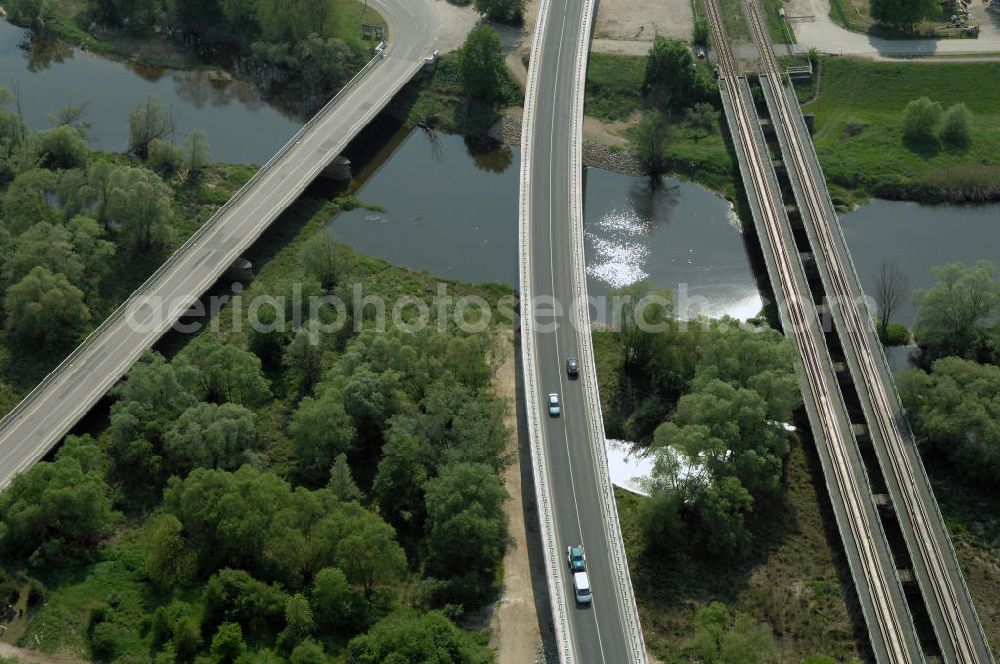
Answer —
730 556
256 496
298 53
877 136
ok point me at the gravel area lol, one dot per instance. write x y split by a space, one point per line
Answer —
595 155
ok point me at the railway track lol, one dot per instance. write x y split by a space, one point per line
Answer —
849 479
961 641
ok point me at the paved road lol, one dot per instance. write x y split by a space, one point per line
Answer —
828 37
52 409
598 632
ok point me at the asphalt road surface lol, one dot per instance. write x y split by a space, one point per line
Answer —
597 630
51 411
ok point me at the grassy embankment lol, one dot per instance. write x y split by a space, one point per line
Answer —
614 93
792 580
859 139
75 24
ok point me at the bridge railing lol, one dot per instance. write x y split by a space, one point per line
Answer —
119 314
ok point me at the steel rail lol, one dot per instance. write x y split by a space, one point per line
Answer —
845 474
943 588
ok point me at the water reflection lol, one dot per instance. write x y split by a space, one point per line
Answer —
676 235
46 75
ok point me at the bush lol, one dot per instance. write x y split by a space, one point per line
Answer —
896 334
921 119
955 128
164 157
701 32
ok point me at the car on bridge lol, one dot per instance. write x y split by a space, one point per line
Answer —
554 408
576 558
572 367
581 588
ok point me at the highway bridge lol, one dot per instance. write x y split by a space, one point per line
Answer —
69 391
576 504
896 618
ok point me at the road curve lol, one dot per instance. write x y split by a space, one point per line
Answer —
575 498
65 395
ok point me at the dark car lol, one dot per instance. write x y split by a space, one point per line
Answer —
572 367
576 558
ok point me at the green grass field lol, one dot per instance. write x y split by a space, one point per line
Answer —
614 86
858 109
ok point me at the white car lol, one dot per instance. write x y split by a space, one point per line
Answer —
581 588
554 408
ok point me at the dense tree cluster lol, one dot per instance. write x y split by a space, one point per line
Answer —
957 315
903 14
955 411
709 398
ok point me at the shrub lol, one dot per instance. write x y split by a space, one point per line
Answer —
896 334
955 128
701 31
921 119
164 157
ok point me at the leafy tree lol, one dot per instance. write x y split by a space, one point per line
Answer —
35 14
671 74
138 202
400 479
500 10
903 14
299 622
369 554
721 638
701 32
45 310
187 638
319 259
308 652
210 436
952 315
224 372
196 153
335 604
164 157
320 430
955 127
342 483
170 562
482 64
649 143
147 122
465 504
101 181
304 359
266 343
235 597
921 119
63 147
417 637
955 410
57 510
26 202
758 359
43 245
228 644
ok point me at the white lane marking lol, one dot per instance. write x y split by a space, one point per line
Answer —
552 278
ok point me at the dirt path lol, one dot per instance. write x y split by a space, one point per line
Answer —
515 631
32 657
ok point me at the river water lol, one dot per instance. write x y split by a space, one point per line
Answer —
241 128
452 210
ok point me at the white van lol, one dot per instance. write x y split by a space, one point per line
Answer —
581 587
